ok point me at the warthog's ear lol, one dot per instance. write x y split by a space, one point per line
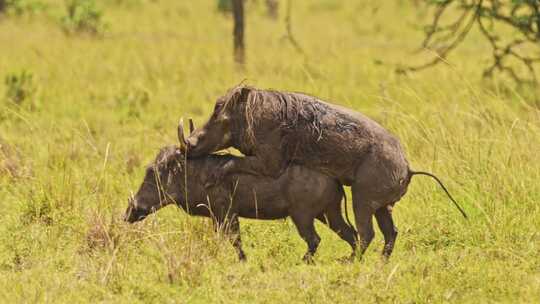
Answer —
238 94
191 126
244 92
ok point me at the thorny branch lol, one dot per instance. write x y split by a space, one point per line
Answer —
522 16
289 36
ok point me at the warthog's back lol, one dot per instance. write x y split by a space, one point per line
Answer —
335 140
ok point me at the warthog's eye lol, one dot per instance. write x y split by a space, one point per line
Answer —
149 170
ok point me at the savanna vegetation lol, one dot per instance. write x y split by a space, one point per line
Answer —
92 89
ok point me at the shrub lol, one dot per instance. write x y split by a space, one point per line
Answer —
132 103
20 87
83 16
20 7
224 6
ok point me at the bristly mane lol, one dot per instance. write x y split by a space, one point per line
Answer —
165 156
291 109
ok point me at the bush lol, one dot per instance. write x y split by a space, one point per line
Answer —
132 103
83 16
20 7
20 87
224 6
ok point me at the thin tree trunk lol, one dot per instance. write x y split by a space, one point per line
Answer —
2 5
238 32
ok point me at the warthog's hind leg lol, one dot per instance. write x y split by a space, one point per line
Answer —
363 214
333 218
389 230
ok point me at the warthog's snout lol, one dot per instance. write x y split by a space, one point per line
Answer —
192 141
134 214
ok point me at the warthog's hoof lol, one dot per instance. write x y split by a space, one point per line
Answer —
347 259
385 257
308 259
242 257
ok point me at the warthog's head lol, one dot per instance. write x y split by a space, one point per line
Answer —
217 133
162 185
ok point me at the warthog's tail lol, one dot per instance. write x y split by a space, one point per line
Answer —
411 173
345 205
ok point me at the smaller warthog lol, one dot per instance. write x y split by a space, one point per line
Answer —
300 193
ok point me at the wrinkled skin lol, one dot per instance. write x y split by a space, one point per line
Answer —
276 129
216 136
299 193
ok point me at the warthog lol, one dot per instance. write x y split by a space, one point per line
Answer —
276 129
300 193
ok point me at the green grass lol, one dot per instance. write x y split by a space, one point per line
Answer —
72 153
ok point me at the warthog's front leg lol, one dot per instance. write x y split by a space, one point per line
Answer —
306 229
254 165
234 235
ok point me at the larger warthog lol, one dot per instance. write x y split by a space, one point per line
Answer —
300 193
276 129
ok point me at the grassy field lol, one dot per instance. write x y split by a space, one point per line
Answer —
100 108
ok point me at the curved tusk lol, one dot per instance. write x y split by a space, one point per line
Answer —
181 138
191 126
